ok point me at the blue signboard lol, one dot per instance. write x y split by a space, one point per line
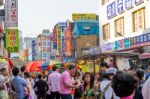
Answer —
111 10
120 6
128 4
127 43
86 28
33 50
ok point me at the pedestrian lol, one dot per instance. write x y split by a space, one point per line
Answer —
141 76
88 86
19 84
42 87
105 84
103 67
124 85
54 83
22 69
66 83
146 89
29 84
3 92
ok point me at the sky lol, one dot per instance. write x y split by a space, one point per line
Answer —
36 15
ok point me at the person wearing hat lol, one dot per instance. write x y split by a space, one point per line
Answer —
106 84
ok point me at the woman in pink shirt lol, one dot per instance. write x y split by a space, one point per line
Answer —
124 85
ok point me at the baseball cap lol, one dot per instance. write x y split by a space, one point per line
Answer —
111 71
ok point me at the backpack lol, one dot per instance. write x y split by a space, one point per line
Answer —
100 94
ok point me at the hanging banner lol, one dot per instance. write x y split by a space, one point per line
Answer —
12 40
11 13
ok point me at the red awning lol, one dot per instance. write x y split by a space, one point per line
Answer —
144 56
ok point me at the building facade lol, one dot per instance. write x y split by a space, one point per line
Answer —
85 33
124 25
29 48
44 46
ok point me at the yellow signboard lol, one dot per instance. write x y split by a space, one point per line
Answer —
12 40
83 17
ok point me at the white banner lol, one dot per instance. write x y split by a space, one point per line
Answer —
11 13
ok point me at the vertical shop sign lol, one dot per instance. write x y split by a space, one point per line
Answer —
54 39
68 42
11 13
120 6
59 39
111 10
33 50
12 40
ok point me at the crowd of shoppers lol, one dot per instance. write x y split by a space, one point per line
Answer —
73 84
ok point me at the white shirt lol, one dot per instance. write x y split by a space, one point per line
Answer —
54 81
146 89
109 92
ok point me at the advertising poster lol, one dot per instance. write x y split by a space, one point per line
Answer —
83 17
68 42
12 40
11 13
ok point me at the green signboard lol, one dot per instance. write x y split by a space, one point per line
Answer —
12 40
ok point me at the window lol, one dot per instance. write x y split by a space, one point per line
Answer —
119 27
138 20
106 32
104 1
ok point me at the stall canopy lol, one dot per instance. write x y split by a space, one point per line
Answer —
144 56
101 55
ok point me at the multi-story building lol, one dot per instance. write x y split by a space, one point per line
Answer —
85 33
44 46
125 25
30 46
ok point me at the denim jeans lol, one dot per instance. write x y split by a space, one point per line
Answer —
66 96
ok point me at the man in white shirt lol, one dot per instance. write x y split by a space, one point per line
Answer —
108 75
54 83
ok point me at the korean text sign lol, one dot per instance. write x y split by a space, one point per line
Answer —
12 40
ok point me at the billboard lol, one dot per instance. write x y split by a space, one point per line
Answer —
11 13
68 42
84 17
12 40
86 28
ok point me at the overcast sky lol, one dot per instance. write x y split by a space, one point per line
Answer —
36 15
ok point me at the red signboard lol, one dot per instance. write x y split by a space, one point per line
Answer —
68 43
